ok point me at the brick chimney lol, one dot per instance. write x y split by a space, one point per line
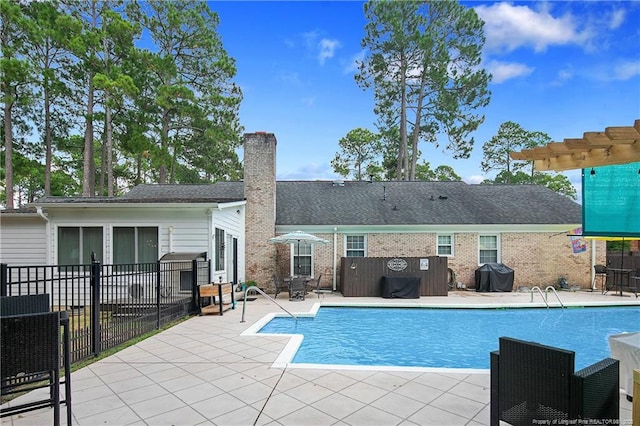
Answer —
260 192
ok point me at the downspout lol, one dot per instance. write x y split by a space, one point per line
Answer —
47 234
335 261
210 243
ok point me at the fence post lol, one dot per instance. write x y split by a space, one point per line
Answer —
4 282
96 338
158 295
194 285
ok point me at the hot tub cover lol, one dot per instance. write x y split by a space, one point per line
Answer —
494 277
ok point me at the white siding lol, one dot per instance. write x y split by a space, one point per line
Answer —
23 241
30 241
189 226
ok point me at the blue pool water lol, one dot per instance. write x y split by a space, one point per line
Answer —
449 338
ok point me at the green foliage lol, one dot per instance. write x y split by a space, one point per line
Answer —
360 148
619 246
511 137
423 66
555 181
108 112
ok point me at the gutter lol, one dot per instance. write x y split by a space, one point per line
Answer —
47 237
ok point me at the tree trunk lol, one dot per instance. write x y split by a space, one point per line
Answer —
47 138
8 149
88 181
402 165
109 146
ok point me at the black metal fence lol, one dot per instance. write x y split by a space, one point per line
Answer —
111 304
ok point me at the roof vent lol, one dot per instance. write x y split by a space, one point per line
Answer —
338 182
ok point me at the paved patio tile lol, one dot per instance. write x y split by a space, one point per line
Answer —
371 416
338 406
158 405
397 405
218 405
364 392
204 372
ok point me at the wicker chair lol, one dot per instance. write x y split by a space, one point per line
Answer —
532 382
24 304
39 303
30 351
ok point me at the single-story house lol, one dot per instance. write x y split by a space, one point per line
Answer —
525 227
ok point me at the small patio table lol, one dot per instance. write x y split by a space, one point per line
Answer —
618 276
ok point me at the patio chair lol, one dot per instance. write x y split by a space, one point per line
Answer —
634 282
37 304
531 382
30 353
600 274
315 285
279 285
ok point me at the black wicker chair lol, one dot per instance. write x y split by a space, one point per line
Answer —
29 355
39 303
531 382
24 304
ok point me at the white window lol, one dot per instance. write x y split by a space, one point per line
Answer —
445 245
302 258
355 246
488 249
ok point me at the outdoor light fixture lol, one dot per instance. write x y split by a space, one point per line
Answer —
593 172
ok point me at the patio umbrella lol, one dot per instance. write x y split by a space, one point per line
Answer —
295 238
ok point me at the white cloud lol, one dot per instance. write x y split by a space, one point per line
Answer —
327 49
508 27
324 48
620 71
626 70
292 78
562 77
503 71
475 179
617 18
354 64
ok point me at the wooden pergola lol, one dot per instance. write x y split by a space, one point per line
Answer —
614 145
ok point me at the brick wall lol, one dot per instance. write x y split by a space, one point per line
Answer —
260 192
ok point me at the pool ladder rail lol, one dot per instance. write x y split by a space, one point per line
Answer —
545 296
269 298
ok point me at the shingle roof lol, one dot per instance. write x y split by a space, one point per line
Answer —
376 203
221 192
418 202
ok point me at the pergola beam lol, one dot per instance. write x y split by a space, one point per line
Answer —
615 154
614 145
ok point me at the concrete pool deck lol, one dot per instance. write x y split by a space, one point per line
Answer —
204 371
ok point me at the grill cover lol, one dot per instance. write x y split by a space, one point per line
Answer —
494 277
173 256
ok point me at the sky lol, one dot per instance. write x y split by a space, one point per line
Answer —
562 68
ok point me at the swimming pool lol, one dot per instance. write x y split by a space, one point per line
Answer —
447 337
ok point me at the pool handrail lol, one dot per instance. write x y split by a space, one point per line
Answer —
256 289
546 294
544 299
